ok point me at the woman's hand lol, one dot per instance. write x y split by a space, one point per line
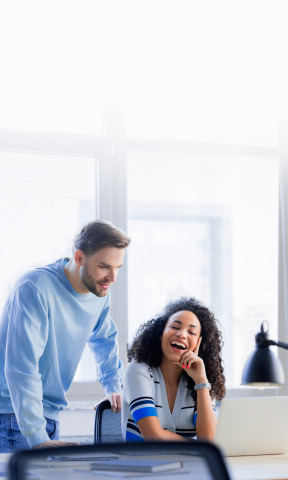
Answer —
194 365
195 368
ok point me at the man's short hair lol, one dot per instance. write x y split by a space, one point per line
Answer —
99 234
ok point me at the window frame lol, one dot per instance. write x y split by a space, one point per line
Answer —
110 153
221 149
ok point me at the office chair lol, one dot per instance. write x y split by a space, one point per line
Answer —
107 427
201 460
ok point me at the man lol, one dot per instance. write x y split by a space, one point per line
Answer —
48 317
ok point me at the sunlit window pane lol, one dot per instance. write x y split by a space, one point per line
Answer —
43 203
205 227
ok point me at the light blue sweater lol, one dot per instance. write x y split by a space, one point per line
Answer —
43 330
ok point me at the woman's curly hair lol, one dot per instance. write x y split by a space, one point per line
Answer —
146 346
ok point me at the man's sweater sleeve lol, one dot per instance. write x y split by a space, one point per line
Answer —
26 339
104 345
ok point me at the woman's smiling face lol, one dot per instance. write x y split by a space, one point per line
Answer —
181 333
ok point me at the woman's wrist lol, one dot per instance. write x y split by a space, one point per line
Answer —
201 380
200 386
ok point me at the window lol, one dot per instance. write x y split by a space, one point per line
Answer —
205 226
43 203
202 224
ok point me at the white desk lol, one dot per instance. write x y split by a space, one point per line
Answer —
261 467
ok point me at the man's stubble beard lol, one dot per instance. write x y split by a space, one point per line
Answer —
89 283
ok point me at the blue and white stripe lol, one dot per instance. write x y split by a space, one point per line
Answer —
133 433
143 407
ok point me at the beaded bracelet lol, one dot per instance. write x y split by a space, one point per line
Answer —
202 385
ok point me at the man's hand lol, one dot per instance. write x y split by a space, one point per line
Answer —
53 443
115 400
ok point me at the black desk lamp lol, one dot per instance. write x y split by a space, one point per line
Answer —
263 368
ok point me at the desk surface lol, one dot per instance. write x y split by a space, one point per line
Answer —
262 467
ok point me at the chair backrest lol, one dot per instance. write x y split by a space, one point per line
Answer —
107 426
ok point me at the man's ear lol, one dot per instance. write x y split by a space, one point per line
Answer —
79 257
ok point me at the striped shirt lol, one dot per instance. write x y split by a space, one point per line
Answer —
145 395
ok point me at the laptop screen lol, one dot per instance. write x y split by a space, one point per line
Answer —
253 426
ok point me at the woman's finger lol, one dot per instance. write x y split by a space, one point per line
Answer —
196 350
187 355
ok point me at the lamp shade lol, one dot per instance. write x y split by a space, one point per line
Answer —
263 368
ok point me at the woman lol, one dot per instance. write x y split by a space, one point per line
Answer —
175 376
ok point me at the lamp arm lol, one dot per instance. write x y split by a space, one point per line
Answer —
278 344
262 340
282 345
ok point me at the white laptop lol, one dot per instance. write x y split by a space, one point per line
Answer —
253 426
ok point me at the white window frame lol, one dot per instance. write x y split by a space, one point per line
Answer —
229 150
110 153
